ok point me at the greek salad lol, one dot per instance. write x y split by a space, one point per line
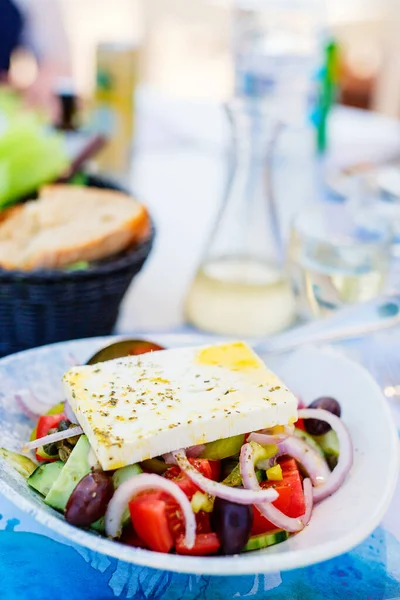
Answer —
237 494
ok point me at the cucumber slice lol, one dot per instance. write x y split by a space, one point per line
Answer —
99 526
124 473
43 477
76 467
221 449
22 464
119 477
257 542
329 443
309 439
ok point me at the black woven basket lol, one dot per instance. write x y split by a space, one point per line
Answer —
45 306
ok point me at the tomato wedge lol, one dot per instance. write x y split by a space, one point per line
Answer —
300 424
184 482
290 500
150 522
176 521
205 544
45 423
157 522
203 522
175 518
292 477
215 469
260 523
123 348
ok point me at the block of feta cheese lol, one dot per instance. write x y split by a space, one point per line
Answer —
139 407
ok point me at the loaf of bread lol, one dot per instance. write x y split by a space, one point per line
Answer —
67 224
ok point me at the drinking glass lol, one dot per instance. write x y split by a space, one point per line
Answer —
338 255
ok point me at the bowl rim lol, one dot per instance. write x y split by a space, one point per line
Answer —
222 566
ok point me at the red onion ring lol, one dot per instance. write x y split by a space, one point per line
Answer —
53 437
300 403
219 490
345 462
191 452
25 407
169 458
269 438
195 451
69 413
73 361
314 464
269 511
141 483
308 499
30 404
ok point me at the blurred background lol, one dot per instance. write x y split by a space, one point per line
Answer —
187 48
225 119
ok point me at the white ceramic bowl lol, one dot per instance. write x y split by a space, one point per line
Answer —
337 524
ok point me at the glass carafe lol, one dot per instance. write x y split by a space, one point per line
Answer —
241 288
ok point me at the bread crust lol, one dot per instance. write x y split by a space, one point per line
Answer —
108 241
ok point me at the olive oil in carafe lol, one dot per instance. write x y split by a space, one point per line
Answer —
238 296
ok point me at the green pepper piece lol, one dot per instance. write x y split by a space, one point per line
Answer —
221 449
22 464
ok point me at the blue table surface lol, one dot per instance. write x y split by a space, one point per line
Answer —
35 566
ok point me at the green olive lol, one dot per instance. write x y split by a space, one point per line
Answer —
123 348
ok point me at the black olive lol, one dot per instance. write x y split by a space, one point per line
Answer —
317 426
232 523
89 500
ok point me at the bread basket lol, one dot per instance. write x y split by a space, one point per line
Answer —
45 306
